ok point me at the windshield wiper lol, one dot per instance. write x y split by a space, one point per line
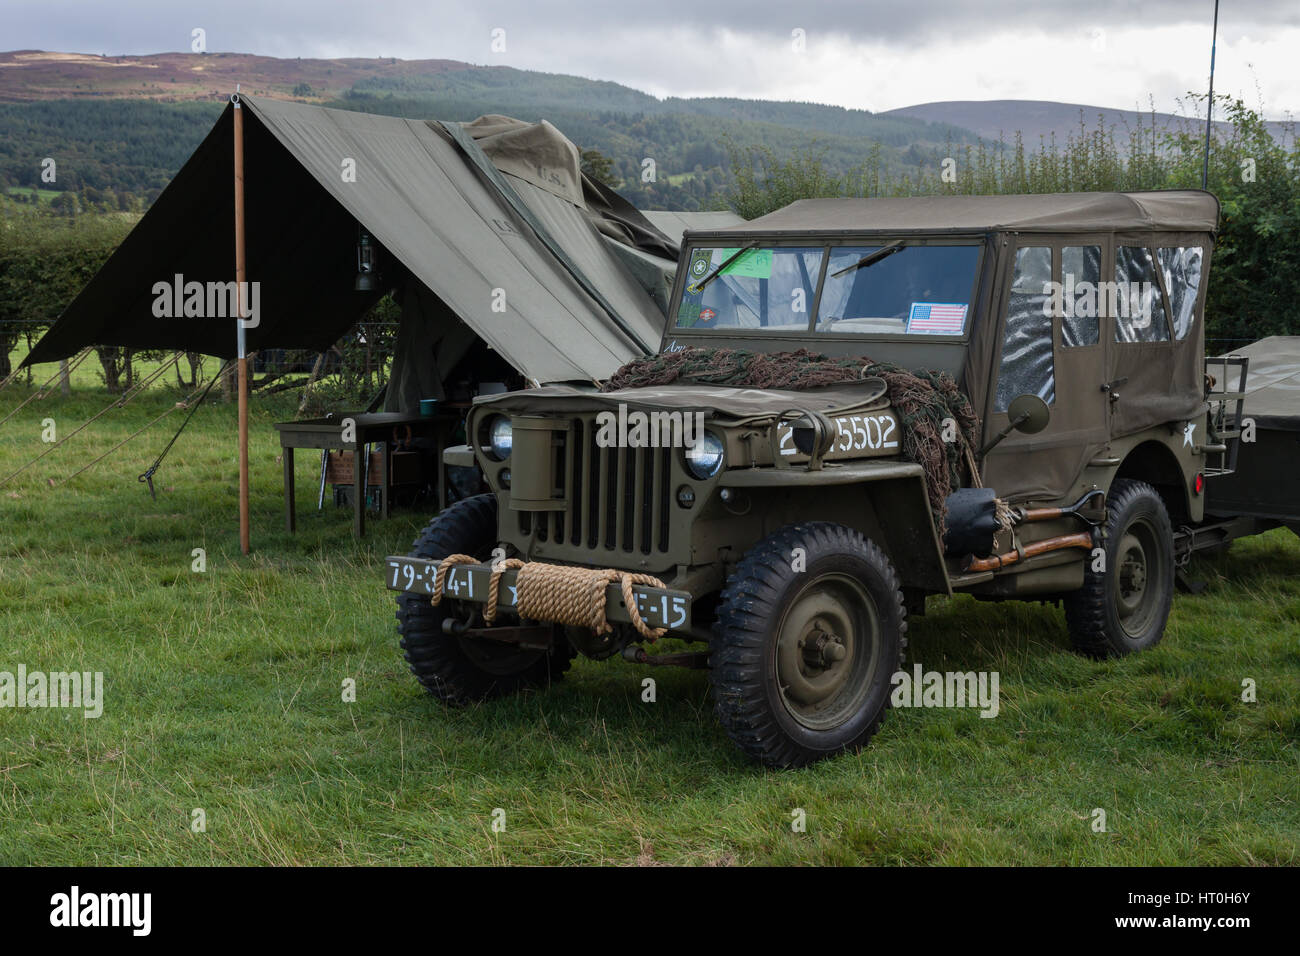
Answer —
872 258
698 287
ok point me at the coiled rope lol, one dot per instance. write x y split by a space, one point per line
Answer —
563 595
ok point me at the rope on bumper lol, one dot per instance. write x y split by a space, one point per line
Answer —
494 586
564 595
576 596
626 580
440 577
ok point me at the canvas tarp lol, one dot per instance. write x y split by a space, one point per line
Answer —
675 224
435 215
1273 382
1264 484
430 341
653 271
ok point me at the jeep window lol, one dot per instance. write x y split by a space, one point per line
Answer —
1138 307
1182 269
762 288
1027 365
1080 265
913 290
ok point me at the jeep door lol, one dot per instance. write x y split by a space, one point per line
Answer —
1049 344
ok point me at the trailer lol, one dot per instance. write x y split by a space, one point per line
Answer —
1254 395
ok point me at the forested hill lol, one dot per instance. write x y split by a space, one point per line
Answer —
120 127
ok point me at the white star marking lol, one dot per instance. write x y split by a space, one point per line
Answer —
1187 433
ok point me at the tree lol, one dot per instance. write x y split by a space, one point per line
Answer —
600 168
1255 286
764 181
66 204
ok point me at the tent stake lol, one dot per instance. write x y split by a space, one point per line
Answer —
240 275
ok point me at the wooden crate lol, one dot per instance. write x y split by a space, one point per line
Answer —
406 468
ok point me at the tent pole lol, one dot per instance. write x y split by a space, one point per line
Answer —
240 276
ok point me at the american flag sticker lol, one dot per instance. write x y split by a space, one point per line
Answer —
937 318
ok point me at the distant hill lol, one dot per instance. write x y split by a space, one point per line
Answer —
122 126
1038 120
27 75
126 124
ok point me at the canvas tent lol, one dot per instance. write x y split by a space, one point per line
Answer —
676 224
490 227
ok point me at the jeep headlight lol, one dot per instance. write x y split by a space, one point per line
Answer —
501 437
704 458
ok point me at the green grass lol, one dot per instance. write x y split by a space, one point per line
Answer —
223 692
45 195
85 375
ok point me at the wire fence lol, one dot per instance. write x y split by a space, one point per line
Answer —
354 367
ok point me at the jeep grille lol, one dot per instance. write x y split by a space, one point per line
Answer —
616 499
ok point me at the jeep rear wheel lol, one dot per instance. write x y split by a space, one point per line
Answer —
460 670
806 644
1124 607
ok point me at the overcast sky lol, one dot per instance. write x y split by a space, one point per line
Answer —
866 54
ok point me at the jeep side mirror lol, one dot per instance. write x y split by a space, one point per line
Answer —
1029 414
1026 413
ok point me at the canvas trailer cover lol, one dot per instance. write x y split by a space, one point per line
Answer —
1266 482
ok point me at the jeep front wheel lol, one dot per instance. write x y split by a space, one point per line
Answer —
460 670
809 633
1123 606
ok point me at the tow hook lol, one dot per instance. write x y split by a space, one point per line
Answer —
698 660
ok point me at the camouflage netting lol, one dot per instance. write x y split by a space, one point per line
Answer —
922 399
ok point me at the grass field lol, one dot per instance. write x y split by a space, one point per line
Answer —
223 693
46 195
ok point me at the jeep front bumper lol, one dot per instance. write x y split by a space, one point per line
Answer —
658 607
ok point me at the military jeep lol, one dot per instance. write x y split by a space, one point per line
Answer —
784 534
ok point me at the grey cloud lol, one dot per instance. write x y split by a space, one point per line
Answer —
406 27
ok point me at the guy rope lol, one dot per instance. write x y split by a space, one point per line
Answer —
126 397
192 403
42 390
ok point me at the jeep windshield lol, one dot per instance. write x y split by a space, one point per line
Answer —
890 287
